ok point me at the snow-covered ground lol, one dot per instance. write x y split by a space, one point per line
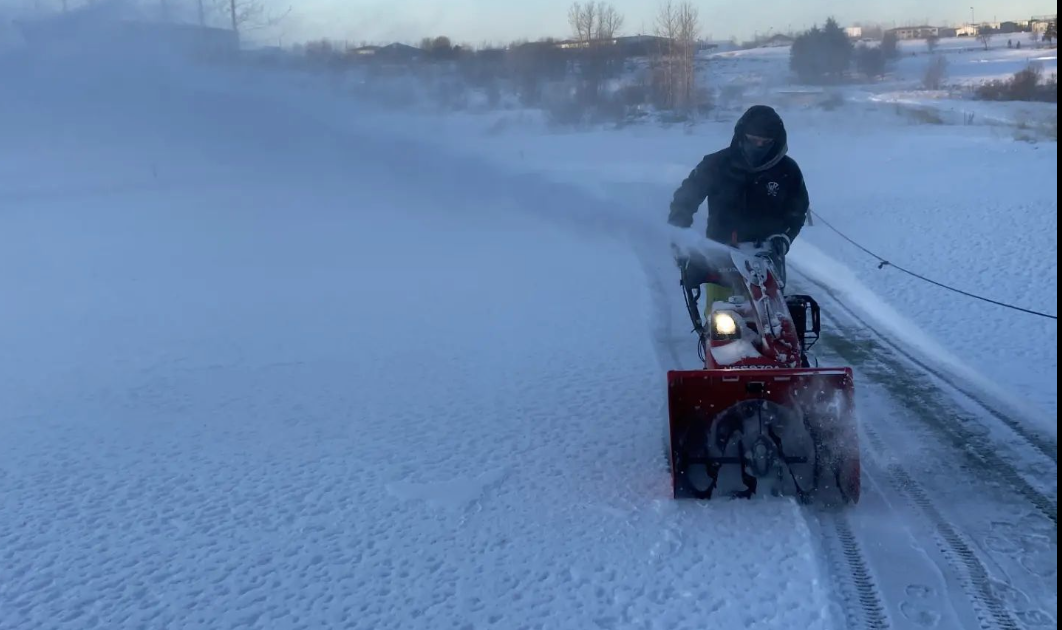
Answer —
275 359
270 370
968 62
962 206
763 73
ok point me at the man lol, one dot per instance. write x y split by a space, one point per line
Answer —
755 192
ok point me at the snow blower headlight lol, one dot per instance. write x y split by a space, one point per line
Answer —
724 325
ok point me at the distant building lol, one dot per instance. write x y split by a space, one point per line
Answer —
640 45
775 41
399 51
630 45
854 32
916 32
572 43
1040 24
392 52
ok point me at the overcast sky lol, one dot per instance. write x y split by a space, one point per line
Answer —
502 21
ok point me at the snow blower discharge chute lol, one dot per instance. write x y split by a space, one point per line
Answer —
758 418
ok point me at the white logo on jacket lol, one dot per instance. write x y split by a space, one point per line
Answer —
772 189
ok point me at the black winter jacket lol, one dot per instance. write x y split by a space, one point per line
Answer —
745 204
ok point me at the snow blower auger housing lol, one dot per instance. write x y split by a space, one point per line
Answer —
758 418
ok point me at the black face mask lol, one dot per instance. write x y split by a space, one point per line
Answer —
756 154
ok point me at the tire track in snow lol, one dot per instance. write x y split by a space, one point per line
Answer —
842 549
991 609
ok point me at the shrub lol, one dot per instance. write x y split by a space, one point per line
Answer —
1026 85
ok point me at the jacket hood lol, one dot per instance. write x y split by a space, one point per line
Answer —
759 120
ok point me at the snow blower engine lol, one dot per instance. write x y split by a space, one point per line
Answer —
758 418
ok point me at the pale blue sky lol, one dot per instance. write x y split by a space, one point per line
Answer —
500 21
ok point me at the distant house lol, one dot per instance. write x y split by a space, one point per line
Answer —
854 32
1041 24
628 46
916 32
398 52
640 45
392 53
777 40
571 43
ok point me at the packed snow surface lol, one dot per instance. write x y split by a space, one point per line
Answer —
267 369
276 359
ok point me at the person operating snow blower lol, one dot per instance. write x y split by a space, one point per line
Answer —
755 191
758 416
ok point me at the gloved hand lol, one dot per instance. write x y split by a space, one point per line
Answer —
779 244
681 259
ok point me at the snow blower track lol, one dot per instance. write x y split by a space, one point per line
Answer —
952 418
861 598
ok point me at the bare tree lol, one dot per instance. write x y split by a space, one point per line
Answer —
665 67
609 22
594 23
594 26
583 18
689 27
244 15
984 35
676 72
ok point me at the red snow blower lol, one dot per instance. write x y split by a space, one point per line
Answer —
758 418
